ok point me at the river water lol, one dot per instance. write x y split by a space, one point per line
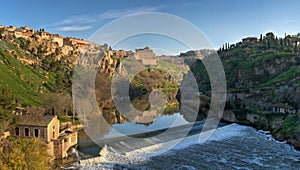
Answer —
230 147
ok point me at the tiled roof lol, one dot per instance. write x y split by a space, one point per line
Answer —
35 120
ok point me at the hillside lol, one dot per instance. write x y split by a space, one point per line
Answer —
262 75
37 65
27 83
257 63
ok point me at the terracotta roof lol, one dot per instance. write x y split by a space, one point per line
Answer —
35 120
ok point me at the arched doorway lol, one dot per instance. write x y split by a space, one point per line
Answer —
36 133
26 132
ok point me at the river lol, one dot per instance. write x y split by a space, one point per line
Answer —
230 147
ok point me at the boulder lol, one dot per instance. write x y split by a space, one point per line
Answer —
103 151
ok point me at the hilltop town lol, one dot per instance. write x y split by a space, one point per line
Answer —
42 36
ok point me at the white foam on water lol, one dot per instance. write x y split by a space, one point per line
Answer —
219 134
141 154
229 132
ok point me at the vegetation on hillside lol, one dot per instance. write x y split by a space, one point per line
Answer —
267 61
30 82
7 106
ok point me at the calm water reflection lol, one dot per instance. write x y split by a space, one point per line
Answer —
130 128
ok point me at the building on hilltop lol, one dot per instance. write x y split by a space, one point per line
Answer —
146 56
24 32
47 129
249 40
7 32
43 34
11 28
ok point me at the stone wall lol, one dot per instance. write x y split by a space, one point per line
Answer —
42 132
53 130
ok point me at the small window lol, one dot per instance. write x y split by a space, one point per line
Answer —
17 131
53 135
36 133
26 132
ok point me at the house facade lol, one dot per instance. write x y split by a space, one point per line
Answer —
283 108
47 129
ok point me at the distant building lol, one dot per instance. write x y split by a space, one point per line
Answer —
47 129
250 40
24 32
43 34
80 44
283 108
119 53
8 32
11 28
146 56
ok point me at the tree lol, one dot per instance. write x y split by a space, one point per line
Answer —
20 153
7 106
281 43
261 38
58 104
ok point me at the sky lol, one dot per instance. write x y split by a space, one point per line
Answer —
221 21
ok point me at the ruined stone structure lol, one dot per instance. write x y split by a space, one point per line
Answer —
47 129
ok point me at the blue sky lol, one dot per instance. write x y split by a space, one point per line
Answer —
221 21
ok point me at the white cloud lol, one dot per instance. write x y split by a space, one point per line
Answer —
79 23
75 20
73 28
113 14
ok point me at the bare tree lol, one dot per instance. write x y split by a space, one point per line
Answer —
58 104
